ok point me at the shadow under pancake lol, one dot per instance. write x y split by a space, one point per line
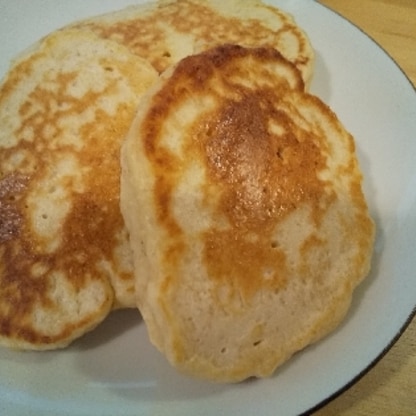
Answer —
118 356
113 326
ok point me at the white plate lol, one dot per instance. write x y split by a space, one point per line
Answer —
114 370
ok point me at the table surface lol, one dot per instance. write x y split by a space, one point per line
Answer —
389 388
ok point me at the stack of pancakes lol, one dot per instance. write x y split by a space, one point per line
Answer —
168 156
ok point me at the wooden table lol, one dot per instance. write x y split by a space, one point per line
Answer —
390 387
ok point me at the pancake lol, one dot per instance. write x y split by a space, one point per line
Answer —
164 32
243 198
65 261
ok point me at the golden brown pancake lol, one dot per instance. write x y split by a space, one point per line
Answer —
242 194
166 31
65 262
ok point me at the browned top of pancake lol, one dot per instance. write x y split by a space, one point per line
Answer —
244 164
164 32
65 109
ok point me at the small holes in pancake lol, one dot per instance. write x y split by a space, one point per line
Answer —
274 244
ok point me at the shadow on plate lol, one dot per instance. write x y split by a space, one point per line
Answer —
118 356
114 326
